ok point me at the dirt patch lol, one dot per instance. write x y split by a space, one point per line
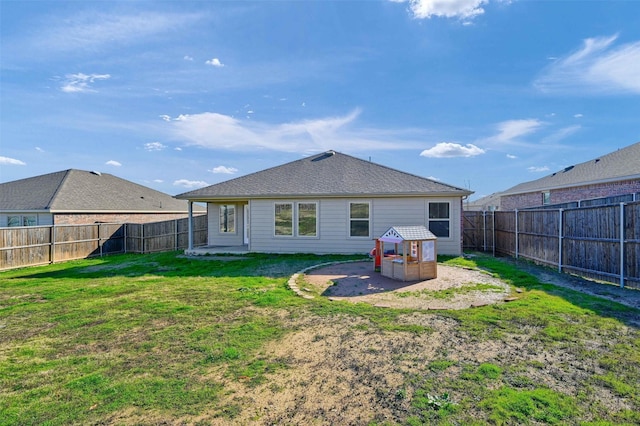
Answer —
454 288
344 370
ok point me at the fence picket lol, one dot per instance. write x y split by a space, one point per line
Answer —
40 245
601 242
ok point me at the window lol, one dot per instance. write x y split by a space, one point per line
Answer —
546 198
439 219
359 219
307 219
21 221
227 219
284 219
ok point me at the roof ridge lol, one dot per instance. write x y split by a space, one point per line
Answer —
57 190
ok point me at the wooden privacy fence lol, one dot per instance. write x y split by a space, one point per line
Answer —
40 245
601 242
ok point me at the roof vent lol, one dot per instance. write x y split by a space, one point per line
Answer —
331 152
567 169
93 172
597 159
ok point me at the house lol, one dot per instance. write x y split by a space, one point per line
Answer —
615 175
328 203
82 197
489 203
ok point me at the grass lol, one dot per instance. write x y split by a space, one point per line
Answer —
132 339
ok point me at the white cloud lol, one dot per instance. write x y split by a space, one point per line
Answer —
597 67
190 184
113 163
158 181
561 134
451 150
224 169
462 9
165 117
513 129
39 149
77 83
577 116
154 146
188 58
6 161
511 156
538 169
215 62
218 131
93 31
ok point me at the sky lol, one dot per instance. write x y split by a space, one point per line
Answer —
177 95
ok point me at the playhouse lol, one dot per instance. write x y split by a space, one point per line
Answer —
414 255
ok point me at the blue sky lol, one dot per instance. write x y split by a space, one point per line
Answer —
175 95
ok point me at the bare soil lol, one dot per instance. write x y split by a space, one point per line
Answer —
344 370
454 287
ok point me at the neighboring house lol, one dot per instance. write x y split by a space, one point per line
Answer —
489 203
81 197
611 175
328 203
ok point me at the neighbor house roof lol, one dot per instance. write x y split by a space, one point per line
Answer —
82 191
623 164
325 175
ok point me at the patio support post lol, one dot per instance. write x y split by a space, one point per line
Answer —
190 225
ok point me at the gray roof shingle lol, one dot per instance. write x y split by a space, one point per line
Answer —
407 233
623 164
327 174
78 190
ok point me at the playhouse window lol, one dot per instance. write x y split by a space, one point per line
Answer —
359 219
439 219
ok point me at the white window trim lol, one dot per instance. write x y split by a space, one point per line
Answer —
21 218
293 219
235 220
297 220
450 219
369 219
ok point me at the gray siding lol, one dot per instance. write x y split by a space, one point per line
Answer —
220 238
333 231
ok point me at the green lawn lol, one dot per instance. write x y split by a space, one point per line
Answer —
163 339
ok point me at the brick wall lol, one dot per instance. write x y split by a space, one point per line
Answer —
565 195
85 218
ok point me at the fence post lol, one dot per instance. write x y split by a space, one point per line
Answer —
516 213
52 235
622 245
142 238
175 228
484 231
100 239
560 235
493 240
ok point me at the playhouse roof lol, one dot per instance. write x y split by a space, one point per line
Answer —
398 234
